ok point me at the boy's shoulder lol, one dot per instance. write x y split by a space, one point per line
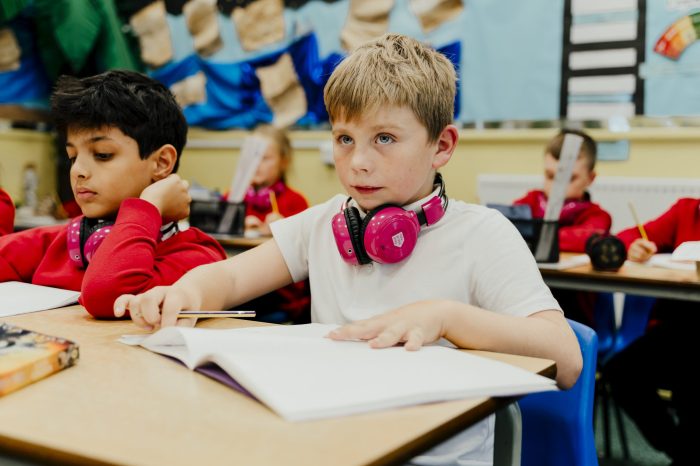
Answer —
468 209
465 214
686 204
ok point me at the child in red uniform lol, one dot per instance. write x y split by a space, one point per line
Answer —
123 134
7 213
579 219
658 359
269 198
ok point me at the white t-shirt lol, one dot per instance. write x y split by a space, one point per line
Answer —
472 255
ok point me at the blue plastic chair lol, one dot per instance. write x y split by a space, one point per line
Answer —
635 317
604 322
558 426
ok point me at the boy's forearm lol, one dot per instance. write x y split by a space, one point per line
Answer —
544 335
239 279
206 286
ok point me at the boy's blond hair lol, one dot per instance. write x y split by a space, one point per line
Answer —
394 70
278 136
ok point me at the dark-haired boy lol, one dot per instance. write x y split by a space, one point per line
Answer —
123 134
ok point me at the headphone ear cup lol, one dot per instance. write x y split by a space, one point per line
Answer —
390 233
74 240
590 242
94 239
607 253
356 229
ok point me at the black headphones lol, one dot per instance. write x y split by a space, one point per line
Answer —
607 252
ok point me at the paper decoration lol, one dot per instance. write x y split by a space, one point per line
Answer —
260 23
201 17
367 20
151 27
281 89
191 90
9 50
432 13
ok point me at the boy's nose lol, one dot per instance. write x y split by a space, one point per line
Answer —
361 160
79 168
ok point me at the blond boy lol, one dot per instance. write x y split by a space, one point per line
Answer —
469 277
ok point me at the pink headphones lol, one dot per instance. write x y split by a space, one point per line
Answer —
84 237
388 233
260 200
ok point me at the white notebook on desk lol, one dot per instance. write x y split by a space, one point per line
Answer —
666 261
301 375
568 263
23 298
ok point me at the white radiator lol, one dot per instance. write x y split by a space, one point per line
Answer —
650 196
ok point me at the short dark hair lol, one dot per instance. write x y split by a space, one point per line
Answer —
588 151
141 107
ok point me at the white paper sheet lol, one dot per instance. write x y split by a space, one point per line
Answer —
22 298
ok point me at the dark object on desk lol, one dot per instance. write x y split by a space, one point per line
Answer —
218 216
607 252
541 236
27 356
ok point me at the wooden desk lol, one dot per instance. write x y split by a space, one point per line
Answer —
631 278
126 405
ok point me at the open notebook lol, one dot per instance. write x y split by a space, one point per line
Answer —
22 298
301 375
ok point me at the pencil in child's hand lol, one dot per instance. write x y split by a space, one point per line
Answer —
273 202
216 314
640 227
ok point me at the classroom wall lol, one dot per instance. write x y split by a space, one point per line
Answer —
654 152
211 156
19 147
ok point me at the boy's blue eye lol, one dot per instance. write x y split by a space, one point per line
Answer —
384 139
345 139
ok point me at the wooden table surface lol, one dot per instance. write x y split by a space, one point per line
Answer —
631 278
126 405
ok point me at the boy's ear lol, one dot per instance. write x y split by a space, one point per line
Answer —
591 177
446 145
163 159
284 163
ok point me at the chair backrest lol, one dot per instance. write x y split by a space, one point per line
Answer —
635 317
558 426
604 321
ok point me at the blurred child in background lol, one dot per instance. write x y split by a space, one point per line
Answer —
658 358
579 219
269 198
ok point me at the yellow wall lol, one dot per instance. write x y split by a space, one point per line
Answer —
19 147
210 159
654 152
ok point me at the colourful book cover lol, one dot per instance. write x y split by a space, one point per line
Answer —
27 356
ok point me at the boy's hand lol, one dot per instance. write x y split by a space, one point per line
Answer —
157 307
252 222
273 216
641 250
170 196
415 324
